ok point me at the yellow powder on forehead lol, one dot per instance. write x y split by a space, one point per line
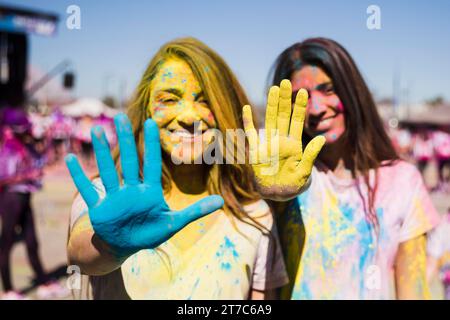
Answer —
177 71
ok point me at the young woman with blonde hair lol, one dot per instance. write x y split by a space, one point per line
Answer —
126 237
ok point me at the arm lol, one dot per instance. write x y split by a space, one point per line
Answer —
21 177
263 295
410 270
432 267
86 250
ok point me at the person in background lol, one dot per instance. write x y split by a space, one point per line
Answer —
402 141
59 133
82 137
422 149
441 144
21 174
438 250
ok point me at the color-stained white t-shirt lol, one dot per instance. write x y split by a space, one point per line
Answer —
438 244
342 258
223 264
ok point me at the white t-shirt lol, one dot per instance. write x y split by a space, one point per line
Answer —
222 264
341 258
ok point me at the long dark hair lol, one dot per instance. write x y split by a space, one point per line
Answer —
367 140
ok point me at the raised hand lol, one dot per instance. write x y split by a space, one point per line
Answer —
281 167
134 215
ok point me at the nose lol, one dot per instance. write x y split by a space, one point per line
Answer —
188 116
316 105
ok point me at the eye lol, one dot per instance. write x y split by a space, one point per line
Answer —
328 90
169 100
203 102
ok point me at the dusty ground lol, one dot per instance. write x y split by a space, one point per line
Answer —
52 209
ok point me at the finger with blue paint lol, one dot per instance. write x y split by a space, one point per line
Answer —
134 215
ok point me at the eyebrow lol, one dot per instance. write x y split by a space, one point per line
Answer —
319 87
175 91
323 86
179 92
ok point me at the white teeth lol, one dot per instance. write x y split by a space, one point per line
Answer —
185 134
326 121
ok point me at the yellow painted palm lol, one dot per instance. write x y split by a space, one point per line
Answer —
281 167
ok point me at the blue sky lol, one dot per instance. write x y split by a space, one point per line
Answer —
117 39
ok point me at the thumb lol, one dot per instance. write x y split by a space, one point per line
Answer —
311 152
199 209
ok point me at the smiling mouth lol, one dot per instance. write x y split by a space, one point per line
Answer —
314 122
186 135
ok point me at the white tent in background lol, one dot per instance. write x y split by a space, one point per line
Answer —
88 107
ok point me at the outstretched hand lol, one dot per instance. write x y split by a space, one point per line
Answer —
280 165
134 215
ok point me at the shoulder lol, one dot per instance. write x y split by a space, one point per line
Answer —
400 172
260 211
98 185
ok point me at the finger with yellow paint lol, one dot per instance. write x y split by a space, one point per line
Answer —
251 133
298 115
272 112
284 107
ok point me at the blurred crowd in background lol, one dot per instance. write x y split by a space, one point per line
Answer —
423 146
31 141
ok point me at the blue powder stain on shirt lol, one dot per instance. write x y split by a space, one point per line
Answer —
193 288
225 266
304 293
297 208
367 247
227 254
347 211
230 246
383 234
304 198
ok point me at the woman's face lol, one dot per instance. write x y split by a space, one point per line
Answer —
324 112
179 107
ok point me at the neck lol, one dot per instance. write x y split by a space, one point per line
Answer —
189 179
336 156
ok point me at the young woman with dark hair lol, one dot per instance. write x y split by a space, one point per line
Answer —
354 225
